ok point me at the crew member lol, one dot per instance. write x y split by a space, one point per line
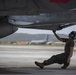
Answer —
63 58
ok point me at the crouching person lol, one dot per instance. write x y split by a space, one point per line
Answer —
63 58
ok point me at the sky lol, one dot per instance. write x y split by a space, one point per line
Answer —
35 31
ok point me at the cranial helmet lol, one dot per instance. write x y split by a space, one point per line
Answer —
73 34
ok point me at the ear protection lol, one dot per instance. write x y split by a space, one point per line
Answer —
73 34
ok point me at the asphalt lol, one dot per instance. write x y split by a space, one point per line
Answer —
20 60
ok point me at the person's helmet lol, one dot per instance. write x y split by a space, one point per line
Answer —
73 35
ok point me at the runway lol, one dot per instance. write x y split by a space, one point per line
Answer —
20 60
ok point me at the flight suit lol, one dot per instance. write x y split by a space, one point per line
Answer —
61 58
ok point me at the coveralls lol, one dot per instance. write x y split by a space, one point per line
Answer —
61 58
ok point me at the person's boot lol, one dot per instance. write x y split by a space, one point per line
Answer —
65 66
41 65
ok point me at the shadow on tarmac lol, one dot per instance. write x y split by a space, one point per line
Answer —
11 71
30 70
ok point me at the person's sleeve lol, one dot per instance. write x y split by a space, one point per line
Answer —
64 39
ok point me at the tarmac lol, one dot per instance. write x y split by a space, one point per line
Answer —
20 60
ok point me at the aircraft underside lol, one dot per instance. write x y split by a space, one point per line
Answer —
36 14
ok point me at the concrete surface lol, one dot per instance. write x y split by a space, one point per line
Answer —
20 60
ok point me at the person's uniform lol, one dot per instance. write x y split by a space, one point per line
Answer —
60 58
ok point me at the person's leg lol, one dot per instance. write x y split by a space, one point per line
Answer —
41 65
47 62
50 61
65 65
62 59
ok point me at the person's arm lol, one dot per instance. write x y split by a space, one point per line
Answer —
70 55
58 36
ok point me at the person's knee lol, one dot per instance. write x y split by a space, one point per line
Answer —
53 57
50 61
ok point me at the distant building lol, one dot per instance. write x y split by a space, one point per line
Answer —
21 43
